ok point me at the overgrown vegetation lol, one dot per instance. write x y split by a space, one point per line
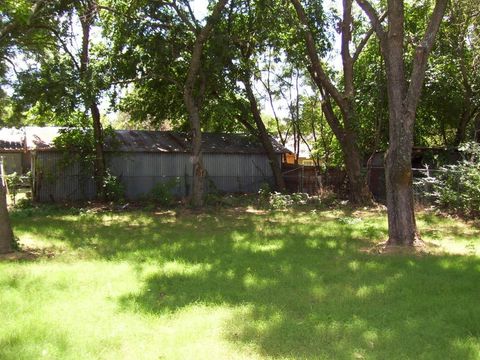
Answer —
113 188
14 181
236 284
456 187
162 192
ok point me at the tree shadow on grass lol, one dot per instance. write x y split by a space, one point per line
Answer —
310 294
297 288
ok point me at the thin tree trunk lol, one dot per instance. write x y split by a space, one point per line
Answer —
6 233
100 167
192 107
465 119
264 137
358 188
86 16
344 132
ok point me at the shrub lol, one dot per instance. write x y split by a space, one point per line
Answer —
456 187
14 181
162 192
112 187
278 200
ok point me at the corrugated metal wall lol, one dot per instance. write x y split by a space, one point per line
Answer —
139 172
238 173
55 182
12 162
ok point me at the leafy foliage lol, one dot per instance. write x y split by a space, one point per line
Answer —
456 187
77 146
14 181
162 192
113 188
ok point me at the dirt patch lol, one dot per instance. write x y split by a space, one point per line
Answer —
28 254
419 248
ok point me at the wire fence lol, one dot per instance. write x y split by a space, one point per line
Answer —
425 183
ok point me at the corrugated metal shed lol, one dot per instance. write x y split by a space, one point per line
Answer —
12 150
141 159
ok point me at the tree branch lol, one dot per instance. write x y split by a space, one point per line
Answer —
374 20
9 28
366 37
181 14
60 40
318 73
421 56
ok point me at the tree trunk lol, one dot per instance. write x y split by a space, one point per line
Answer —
477 128
402 228
359 192
191 104
462 125
402 105
6 233
100 168
264 137
87 16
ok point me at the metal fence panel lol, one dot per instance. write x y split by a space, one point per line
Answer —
140 172
12 162
57 182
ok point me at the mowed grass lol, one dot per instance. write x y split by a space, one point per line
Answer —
235 284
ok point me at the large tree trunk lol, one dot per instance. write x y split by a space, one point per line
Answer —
191 104
402 228
6 233
402 104
264 137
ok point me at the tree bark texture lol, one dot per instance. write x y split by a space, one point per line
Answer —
403 100
87 16
6 233
191 104
264 137
344 130
358 188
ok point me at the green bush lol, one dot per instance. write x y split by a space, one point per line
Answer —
276 200
112 188
456 188
162 192
14 181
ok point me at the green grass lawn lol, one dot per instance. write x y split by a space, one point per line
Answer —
234 284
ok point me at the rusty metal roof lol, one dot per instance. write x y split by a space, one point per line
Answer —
41 139
167 141
10 145
11 139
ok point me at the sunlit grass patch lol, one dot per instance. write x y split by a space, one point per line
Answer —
237 285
